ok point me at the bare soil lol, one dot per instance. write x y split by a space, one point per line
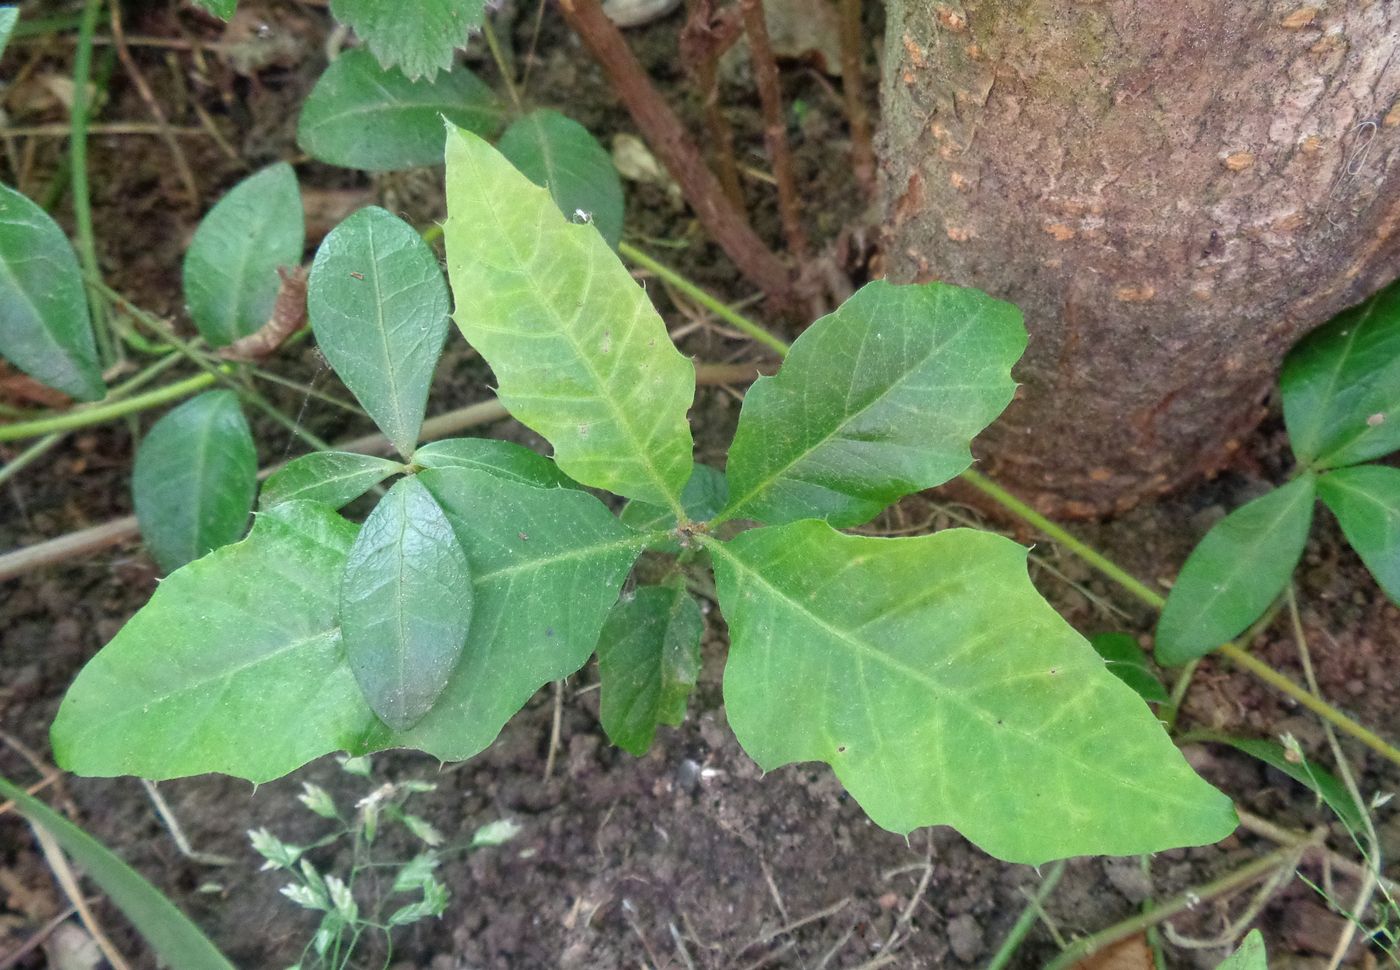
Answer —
688 857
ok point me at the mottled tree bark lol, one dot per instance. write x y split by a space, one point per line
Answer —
1172 190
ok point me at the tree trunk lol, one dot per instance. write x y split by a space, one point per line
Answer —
1173 191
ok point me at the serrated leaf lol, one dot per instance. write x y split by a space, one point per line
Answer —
1235 572
235 665
503 459
360 115
174 938
546 566
940 686
580 354
1127 661
378 305
405 604
47 332
1366 502
1292 763
334 478
9 16
877 400
223 9
704 495
648 660
559 154
1341 386
1251 954
230 270
495 833
420 40
194 478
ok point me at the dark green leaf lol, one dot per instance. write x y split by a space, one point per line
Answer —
559 154
235 665
943 690
1128 663
1321 781
46 331
194 479
704 495
546 566
405 604
170 933
500 458
1341 386
9 16
1250 955
1366 501
361 116
579 352
230 272
648 659
1235 572
334 478
420 39
877 400
378 305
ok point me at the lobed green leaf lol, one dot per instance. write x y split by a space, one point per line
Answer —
334 478
378 305
230 270
502 459
47 332
235 665
877 400
194 479
1235 572
546 566
648 660
1341 386
405 604
579 352
559 154
419 41
1366 501
360 115
941 687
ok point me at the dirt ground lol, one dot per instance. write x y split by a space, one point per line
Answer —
688 857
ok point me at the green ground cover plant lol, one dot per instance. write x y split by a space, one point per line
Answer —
926 671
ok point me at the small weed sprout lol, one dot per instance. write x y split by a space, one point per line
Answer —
365 900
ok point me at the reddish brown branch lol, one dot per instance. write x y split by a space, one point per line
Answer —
705 38
667 137
770 96
862 151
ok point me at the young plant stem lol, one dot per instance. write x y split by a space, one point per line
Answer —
1068 540
770 96
673 145
29 455
737 320
862 151
1281 858
1027 919
82 201
502 65
105 411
